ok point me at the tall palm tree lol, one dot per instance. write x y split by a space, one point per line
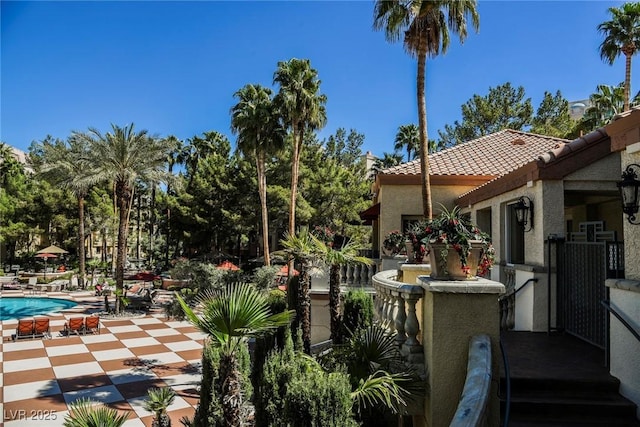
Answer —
408 137
124 156
303 247
621 35
389 160
424 26
69 165
336 258
229 317
260 133
302 107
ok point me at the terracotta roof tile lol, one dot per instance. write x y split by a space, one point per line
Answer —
492 155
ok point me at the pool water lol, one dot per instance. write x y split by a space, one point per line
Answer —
17 308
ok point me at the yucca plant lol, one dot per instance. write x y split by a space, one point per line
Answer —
88 413
159 399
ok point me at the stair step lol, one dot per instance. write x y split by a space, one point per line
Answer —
564 408
536 422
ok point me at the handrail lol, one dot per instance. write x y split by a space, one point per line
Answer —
472 407
515 291
507 374
610 309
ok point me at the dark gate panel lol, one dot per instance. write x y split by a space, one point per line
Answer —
582 270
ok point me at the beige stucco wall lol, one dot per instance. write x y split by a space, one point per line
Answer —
453 313
631 231
398 200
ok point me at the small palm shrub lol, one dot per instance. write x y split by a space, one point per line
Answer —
158 401
87 413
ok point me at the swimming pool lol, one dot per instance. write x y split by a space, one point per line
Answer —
17 308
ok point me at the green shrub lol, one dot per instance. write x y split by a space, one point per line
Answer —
264 277
209 410
295 391
357 312
173 310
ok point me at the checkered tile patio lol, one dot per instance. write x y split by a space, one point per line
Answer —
39 378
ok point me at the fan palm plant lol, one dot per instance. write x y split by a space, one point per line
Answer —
424 26
622 36
229 317
260 133
305 248
87 413
336 258
408 137
159 399
302 107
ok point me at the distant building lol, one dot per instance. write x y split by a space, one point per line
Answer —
578 108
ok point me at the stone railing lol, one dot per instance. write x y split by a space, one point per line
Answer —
395 306
508 301
357 275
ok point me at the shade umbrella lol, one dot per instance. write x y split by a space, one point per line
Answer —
53 249
228 265
45 256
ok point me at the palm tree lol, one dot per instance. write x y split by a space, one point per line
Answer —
123 157
336 258
425 26
259 134
305 248
159 399
621 35
68 165
86 413
408 137
389 160
302 108
229 317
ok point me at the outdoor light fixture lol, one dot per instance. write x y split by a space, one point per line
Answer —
629 192
524 212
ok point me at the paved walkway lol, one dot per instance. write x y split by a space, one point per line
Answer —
39 378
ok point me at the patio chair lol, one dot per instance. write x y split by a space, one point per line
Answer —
92 324
24 329
75 324
41 327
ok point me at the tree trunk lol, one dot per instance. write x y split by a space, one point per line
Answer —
81 253
334 303
304 307
422 120
262 190
295 160
124 200
231 396
627 82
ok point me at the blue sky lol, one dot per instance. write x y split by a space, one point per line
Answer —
172 67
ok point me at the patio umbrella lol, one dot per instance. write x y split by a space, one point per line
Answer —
45 256
52 250
228 265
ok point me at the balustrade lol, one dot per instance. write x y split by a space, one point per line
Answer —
395 306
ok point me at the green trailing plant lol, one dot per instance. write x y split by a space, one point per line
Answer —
454 230
394 242
87 413
158 400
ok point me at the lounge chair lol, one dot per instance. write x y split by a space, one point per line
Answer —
92 324
75 324
41 327
24 329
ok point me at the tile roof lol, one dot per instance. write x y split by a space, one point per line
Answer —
491 155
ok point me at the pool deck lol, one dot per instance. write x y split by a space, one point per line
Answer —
39 378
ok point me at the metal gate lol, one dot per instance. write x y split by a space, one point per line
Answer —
582 270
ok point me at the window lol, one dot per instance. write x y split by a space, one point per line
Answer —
514 237
409 220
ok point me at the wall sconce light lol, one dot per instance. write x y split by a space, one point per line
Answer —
629 192
524 213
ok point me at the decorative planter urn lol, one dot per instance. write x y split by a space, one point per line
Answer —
446 265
